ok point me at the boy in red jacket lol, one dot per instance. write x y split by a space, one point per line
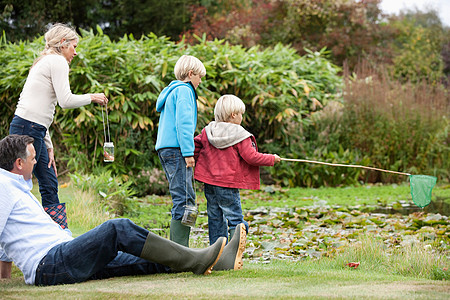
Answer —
227 160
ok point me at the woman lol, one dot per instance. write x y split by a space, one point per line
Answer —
47 84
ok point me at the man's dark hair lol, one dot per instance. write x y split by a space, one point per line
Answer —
13 147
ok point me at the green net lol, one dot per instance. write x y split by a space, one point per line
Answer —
421 186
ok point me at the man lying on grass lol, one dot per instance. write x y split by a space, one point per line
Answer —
47 255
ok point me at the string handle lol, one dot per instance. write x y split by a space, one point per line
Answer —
107 122
187 183
342 165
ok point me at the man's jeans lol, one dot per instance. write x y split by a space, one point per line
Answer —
109 250
48 183
180 180
223 204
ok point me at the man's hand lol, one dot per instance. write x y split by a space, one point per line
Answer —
5 270
190 161
51 160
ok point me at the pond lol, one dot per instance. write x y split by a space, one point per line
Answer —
439 205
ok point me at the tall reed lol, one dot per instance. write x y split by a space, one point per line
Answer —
414 259
85 211
399 126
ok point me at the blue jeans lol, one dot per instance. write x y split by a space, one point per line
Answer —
48 183
180 180
109 250
223 205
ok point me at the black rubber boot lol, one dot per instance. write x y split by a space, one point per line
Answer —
231 258
179 233
180 258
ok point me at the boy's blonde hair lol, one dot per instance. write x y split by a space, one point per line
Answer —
227 105
53 38
188 63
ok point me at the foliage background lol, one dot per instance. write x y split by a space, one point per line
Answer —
279 87
24 20
378 96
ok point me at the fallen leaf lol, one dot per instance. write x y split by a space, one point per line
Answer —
353 265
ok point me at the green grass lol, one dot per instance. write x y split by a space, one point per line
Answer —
405 273
277 280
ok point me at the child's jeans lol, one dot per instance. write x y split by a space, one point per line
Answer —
223 204
180 180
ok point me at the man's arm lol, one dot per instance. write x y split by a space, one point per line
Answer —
5 269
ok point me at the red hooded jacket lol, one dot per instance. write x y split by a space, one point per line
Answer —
236 166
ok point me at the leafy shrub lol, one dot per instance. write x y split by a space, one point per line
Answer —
111 191
151 182
279 88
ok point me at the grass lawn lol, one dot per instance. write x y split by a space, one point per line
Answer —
279 279
306 278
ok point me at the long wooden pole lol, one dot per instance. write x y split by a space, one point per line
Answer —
342 165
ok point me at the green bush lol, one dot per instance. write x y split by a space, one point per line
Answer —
150 182
399 127
111 191
279 88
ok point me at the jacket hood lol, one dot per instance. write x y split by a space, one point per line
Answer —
223 134
166 92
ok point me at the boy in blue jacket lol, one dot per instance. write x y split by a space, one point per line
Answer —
177 104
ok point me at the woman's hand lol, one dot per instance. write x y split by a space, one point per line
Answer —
99 98
51 160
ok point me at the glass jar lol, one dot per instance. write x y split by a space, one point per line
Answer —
190 215
108 152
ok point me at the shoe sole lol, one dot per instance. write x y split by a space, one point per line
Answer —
208 271
238 263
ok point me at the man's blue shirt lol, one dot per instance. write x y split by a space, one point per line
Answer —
27 233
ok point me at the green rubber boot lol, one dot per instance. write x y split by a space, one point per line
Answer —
179 258
231 234
179 233
231 258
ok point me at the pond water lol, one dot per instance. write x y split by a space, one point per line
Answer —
438 205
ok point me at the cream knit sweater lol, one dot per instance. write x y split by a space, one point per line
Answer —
48 84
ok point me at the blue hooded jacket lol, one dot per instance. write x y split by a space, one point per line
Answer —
178 120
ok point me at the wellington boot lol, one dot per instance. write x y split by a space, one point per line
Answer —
231 234
231 258
179 233
58 213
180 258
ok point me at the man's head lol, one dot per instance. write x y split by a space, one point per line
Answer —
17 155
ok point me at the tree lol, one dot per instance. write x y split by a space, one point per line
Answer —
419 46
24 20
350 29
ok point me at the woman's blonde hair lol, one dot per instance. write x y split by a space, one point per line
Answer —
53 38
188 63
227 105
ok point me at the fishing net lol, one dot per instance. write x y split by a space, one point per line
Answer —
421 186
